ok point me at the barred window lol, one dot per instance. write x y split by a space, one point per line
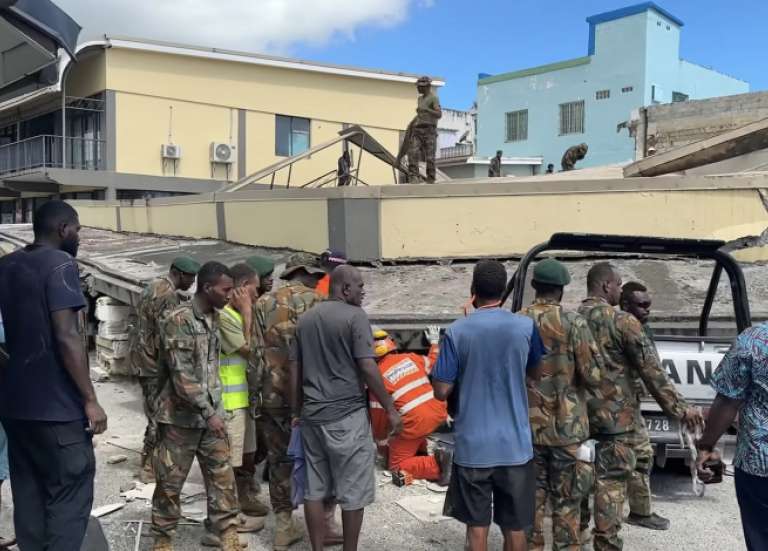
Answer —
517 125
627 89
572 118
602 94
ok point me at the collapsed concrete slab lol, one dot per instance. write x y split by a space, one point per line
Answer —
741 141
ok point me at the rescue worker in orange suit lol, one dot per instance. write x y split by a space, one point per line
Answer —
329 259
406 379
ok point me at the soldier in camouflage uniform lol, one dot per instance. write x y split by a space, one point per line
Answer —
629 356
635 300
275 319
156 299
422 132
189 414
573 155
558 408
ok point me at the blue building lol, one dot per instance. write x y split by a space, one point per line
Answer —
633 61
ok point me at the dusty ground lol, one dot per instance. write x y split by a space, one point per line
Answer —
705 523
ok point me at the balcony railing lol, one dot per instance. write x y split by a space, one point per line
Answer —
51 152
458 150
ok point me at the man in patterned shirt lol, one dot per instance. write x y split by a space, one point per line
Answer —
741 383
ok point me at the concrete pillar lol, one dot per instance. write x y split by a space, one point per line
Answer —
354 226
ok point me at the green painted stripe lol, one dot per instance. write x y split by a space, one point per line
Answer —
536 70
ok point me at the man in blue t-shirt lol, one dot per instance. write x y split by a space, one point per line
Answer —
487 358
47 403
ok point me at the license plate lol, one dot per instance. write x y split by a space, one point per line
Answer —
660 423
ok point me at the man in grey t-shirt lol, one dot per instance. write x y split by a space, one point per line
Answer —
332 361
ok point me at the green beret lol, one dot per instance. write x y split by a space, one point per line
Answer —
305 261
186 264
261 265
551 272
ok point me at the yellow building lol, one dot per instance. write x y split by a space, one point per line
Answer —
132 119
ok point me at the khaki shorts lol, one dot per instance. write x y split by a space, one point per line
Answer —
236 428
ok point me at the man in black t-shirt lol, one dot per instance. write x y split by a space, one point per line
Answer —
47 403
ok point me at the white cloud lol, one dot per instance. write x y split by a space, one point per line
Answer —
252 25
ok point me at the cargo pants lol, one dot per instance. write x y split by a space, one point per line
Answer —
565 482
176 448
639 485
150 389
276 427
614 464
423 144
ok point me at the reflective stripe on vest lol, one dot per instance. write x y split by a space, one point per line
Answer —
232 371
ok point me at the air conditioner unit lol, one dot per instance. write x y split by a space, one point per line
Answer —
170 151
222 153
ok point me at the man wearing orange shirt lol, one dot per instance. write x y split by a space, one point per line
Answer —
329 259
406 380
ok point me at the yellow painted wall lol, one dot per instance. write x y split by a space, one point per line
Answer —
134 219
319 96
143 125
188 220
204 95
97 216
293 223
501 225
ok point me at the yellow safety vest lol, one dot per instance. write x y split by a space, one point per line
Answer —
232 371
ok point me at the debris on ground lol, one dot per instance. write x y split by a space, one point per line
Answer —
115 459
107 509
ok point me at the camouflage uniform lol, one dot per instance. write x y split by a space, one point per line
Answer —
423 138
156 299
639 485
275 320
628 355
572 155
191 395
559 421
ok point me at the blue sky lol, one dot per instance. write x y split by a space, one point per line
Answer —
458 39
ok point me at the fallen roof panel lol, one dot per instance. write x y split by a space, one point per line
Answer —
746 139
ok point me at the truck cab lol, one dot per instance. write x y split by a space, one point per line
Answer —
690 349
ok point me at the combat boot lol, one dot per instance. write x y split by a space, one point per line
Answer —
287 531
230 541
652 521
249 503
162 543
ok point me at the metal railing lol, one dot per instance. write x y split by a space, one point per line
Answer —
458 150
47 151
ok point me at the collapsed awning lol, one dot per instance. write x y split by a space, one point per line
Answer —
31 34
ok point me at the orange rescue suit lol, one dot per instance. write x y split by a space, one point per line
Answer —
406 380
324 286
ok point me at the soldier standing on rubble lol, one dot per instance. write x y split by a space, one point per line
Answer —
422 132
190 415
572 155
276 316
627 354
557 405
157 298
635 300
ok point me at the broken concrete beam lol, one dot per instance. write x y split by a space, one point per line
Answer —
740 141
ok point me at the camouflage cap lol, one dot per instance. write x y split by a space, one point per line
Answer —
424 81
551 272
261 265
186 265
302 261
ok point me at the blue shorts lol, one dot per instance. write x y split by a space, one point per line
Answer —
4 474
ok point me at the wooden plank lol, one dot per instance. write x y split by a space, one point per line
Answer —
748 138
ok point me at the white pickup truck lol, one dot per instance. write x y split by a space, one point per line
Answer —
689 352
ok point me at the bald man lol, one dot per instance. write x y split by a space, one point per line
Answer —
331 362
